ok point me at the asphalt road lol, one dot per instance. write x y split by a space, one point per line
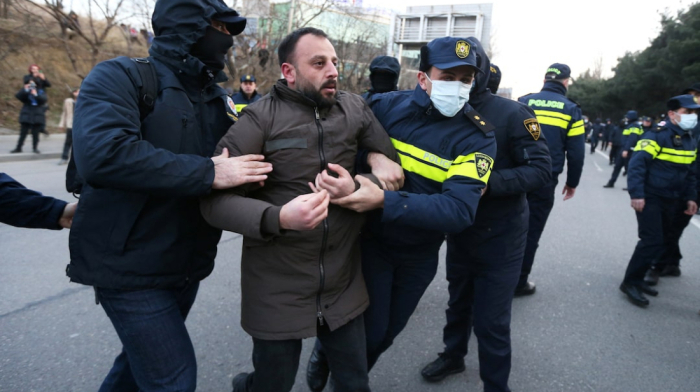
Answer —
577 333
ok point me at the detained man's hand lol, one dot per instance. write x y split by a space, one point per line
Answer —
336 187
388 172
305 212
368 197
66 219
232 172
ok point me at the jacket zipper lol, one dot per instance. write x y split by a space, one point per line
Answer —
324 242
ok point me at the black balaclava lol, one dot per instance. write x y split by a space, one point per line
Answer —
211 49
383 82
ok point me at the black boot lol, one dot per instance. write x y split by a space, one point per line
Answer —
317 370
609 185
670 270
634 294
527 288
442 367
651 277
16 150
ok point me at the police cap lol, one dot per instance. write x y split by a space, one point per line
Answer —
448 52
235 24
247 78
683 101
694 87
558 71
631 115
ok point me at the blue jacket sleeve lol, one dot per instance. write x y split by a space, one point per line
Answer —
109 150
22 207
638 166
533 164
454 208
575 149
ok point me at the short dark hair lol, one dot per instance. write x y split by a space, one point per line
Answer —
286 49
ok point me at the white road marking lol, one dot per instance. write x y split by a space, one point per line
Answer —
695 222
597 166
602 154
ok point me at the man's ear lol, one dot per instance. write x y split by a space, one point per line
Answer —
289 73
422 80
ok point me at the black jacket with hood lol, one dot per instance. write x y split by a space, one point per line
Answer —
138 223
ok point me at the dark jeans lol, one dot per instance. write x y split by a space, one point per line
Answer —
483 267
157 353
24 130
620 162
540 203
67 144
396 278
276 361
672 252
653 223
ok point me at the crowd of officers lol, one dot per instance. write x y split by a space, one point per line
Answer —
343 201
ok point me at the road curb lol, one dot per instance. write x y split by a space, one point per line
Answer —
4 158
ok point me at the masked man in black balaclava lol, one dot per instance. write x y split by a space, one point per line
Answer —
139 238
384 75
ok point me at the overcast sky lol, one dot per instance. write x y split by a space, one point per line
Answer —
529 35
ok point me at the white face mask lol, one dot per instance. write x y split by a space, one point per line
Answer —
449 97
688 121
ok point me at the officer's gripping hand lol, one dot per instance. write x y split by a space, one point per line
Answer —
338 187
637 204
388 172
305 212
232 172
692 208
66 219
368 197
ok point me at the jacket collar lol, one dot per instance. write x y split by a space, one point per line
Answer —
282 91
554 87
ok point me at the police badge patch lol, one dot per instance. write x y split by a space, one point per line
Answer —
533 127
231 109
483 164
643 143
462 49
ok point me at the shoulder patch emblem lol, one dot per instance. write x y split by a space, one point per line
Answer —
493 70
483 164
231 109
677 142
643 143
533 126
462 49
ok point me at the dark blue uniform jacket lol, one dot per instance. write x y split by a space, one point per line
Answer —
447 162
563 128
631 135
22 207
138 223
664 165
241 100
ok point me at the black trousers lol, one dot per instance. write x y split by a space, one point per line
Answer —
672 251
483 267
24 130
614 150
540 203
620 162
67 144
276 361
653 224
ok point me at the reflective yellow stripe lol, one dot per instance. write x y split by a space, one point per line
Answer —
240 106
433 167
649 146
553 122
553 114
422 162
682 157
577 129
637 131
468 166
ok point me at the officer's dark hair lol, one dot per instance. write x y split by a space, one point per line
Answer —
286 49
424 64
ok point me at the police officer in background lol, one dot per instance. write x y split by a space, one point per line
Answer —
247 94
562 126
607 128
384 72
661 180
596 134
494 78
483 262
630 134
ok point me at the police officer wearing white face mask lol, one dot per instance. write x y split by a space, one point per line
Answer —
662 183
446 151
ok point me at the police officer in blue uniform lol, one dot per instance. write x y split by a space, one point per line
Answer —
247 94
596 133
661 175
447 151
384 72
484 261
494 78
630 135
562 126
